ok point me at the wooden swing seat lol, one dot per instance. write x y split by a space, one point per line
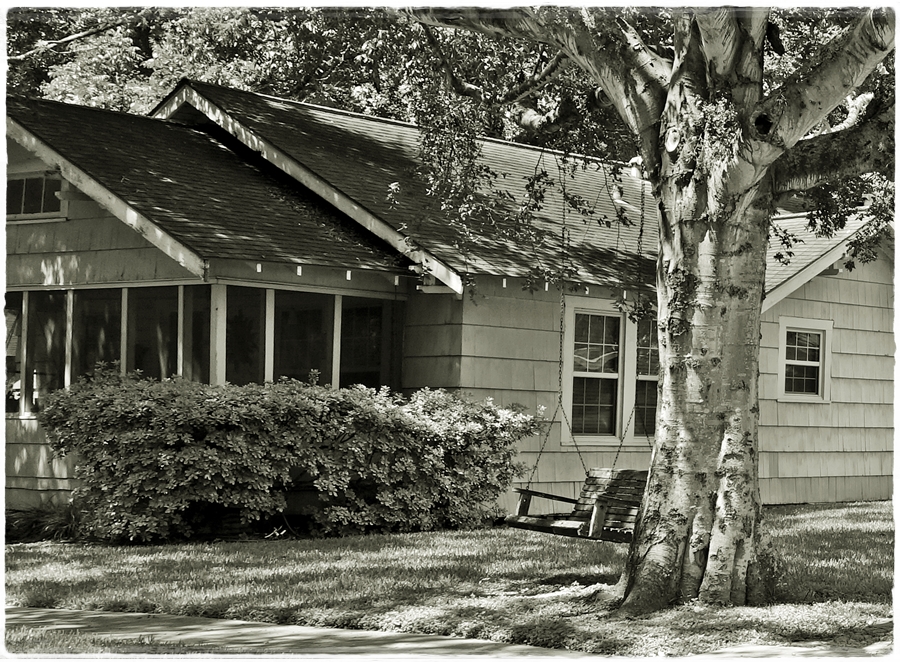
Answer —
606 509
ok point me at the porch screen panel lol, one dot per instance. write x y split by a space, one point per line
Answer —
196 332
46 352
244 342
96 329
12 311
370 342
152 339
304 331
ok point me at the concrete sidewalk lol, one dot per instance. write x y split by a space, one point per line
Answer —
311 642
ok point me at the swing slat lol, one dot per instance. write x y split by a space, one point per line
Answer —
606 509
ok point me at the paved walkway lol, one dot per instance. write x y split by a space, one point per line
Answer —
311 643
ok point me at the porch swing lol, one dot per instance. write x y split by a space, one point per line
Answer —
607 507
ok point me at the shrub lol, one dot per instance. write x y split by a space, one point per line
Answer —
49 521
157 458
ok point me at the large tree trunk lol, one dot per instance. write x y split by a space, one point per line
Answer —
698 534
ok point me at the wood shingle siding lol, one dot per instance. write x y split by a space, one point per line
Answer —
842 449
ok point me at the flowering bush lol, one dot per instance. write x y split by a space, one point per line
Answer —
157 458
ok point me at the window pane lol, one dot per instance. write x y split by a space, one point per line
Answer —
34 195
46 358
243 335
14 190
582 324
97 329
153 331
51 202
594 405
304 329
596 347
12 311
801 379
196 332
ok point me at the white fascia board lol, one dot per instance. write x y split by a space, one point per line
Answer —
790 285
103 196
289 165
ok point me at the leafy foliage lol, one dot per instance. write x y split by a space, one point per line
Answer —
159 458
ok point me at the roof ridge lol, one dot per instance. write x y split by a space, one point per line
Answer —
411 125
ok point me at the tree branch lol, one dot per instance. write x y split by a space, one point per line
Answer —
806 98
513 95
719 36
50 45
610 52
865 147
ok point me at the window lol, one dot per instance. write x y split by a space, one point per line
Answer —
804 353
33 196
610 375
646 388
595 380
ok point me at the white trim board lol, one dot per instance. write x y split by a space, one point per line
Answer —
188 95
118 207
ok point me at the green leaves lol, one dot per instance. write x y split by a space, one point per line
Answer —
158 460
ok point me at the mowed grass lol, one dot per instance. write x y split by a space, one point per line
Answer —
499 584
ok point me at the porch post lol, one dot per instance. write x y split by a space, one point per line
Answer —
218 315
336 343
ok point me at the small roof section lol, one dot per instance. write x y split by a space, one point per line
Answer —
811 255
365 158
214 199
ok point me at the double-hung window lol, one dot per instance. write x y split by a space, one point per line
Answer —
610 375
804 353
595 381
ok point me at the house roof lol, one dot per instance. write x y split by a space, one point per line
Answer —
198 190
212 157
362 157
811 254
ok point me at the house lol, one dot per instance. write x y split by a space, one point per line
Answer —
237 237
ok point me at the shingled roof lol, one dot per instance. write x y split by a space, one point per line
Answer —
363 157
214 200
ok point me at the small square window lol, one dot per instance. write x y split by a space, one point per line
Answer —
804 354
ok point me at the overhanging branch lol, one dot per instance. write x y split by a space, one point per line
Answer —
865 147
51 45
611 52
806 98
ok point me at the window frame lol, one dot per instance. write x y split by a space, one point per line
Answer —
627 366
43 216
825 328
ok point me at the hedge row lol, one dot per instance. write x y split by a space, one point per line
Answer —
154 456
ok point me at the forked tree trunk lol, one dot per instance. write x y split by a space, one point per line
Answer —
698 533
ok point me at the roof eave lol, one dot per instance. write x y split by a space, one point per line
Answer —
185 94
118 207
791 284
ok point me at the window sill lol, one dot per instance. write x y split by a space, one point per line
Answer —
33 219
803 399
20 417
609 442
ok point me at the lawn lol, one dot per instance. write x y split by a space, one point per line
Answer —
499 584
